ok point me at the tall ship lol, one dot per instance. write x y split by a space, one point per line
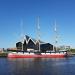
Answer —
31 48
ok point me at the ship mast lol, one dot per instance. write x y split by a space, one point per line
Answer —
38 33
55 30
22 36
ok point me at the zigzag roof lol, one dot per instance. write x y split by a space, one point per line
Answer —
27 39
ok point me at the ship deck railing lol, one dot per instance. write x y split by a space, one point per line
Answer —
47 52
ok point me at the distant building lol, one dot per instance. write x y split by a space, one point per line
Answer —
31 44
63 47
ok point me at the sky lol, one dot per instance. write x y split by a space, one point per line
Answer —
20 16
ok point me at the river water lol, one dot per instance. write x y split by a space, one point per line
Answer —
37 66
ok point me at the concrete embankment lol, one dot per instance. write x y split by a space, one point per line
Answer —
73 53
3 54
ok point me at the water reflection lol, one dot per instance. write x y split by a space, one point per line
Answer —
37 66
